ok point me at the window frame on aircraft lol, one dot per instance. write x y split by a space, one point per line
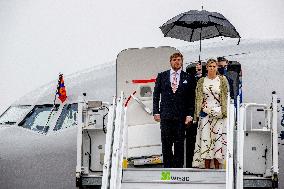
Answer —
13 114
36 113
72 111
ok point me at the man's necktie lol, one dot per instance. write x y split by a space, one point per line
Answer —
174 83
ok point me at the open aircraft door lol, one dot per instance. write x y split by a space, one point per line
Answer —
137 70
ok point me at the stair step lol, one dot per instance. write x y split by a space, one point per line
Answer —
251 181
171 186
174 176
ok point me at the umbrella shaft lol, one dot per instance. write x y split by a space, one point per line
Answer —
200 44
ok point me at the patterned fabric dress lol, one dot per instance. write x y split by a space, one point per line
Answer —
211 131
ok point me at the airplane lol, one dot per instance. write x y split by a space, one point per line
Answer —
31 156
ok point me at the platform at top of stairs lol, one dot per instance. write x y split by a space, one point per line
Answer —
173 178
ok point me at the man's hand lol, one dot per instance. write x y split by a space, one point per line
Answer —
157 117
188 120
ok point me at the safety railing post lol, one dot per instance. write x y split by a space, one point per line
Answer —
116 144
274 134
108 146
230 145
123 140
79 136
240 147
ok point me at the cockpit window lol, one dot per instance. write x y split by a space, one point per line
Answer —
13 114
40 118
67 118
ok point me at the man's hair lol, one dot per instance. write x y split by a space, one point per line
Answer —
221 58
175 55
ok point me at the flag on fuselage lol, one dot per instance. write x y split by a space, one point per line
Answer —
61 91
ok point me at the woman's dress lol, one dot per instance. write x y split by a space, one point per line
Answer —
211 131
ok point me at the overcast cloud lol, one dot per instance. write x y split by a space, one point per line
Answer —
40 38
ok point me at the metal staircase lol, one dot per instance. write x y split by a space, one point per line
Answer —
254 151
115 176
118 176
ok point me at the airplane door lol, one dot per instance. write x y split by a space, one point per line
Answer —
136 72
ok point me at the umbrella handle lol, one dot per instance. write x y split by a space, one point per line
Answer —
200 44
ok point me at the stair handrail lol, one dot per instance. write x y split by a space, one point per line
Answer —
123 148
255 105
274 141
117 142
240 135
81 104
230 144
108 146
240 144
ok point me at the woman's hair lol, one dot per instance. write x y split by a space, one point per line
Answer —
210 61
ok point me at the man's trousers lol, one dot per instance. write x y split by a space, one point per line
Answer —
173 133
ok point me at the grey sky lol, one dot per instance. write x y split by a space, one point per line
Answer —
40 38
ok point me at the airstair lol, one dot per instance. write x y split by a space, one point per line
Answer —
117 175
126 152
103 150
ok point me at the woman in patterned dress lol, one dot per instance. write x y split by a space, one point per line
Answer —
210 112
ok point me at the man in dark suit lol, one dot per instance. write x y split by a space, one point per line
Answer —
232 77
173 106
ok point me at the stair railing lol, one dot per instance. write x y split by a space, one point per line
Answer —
117 152
80 125
108 146
271 125
230 144
275 169
241 128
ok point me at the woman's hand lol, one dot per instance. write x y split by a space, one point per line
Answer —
205 108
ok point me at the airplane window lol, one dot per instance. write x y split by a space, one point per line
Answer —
13 114
39 119
67 117
146 91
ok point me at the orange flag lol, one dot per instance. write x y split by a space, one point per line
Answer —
61 91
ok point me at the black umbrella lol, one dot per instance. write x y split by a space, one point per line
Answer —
197 25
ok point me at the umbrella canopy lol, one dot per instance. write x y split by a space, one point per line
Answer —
197 25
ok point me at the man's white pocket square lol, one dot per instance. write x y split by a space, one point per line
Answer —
184 81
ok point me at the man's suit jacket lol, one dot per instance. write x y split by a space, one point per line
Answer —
176 105
233 80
